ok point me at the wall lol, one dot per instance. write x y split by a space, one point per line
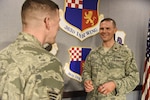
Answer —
131 16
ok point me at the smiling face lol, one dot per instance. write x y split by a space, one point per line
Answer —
107 31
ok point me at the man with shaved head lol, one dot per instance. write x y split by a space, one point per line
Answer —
27 70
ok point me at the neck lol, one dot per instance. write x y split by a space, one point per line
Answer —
108 44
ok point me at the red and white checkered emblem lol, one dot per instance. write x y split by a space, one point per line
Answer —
75 54
74 4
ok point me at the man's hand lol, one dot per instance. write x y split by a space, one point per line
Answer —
88 85
107 88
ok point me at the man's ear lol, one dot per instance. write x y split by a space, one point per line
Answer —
47 22
115 30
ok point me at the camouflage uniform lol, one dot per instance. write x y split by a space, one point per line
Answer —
29 72
117 65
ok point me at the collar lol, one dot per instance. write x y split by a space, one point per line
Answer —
115 47
28 37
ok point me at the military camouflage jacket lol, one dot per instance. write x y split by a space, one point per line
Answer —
29 72
117 65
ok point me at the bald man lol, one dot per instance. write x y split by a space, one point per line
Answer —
28 71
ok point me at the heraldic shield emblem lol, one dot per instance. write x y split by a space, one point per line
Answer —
74 68
81 18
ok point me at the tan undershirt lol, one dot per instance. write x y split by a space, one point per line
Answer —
106 49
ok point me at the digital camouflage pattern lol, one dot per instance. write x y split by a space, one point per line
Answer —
118 65
29 72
